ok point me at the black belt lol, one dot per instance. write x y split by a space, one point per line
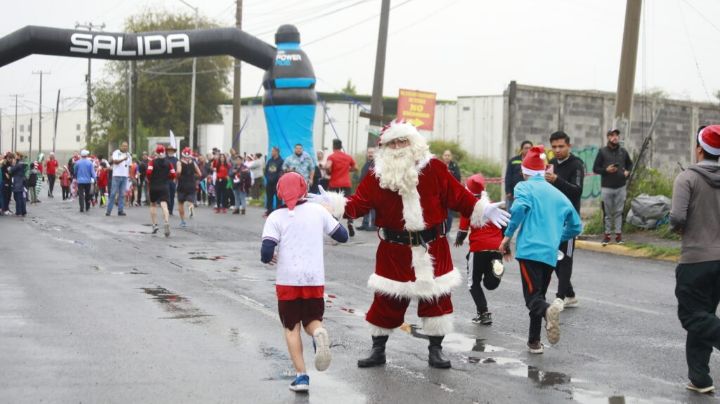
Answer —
414 238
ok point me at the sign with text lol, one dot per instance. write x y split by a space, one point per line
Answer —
417 107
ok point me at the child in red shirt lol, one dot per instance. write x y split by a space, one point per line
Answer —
102 182
484 259
65 183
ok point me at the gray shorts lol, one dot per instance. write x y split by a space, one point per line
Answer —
186 197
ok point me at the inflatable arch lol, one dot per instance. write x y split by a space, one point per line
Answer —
289 100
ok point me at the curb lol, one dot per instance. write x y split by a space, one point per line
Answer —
622 250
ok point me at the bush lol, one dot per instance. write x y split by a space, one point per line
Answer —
594 224
471 165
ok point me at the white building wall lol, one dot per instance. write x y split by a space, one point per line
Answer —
481 126
70 132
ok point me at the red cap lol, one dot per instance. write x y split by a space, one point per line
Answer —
709 139
186 152
291 188
534 161
476 184
159 149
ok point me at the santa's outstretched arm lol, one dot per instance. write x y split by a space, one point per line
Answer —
352 207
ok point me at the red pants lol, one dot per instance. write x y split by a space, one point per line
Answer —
389 312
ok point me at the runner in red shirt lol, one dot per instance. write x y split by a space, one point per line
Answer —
339 165
51 169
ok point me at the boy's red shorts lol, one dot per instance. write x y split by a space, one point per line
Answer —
295 311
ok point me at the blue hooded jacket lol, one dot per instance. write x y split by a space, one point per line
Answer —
547 218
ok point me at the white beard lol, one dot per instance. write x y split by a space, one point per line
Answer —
398 170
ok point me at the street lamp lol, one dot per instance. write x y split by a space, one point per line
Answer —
192 90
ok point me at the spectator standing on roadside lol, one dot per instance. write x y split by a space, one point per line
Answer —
17 172
338 166
513 173
273 171
455 171
301 163
695 215
51 167
613 164
257 169
85 175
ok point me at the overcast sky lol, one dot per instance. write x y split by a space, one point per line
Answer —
451 47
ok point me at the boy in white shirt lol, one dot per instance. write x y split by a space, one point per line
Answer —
297 229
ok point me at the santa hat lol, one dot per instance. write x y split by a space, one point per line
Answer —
291 188
476 184
396 129
159 149
709 139
534 162
186 152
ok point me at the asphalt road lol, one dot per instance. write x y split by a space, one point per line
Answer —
96 309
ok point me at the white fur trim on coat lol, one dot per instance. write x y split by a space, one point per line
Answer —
478 219
442 285
337 204
376 331
437 326
412 211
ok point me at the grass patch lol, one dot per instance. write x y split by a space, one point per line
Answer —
655 251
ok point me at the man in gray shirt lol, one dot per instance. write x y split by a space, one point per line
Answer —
696 215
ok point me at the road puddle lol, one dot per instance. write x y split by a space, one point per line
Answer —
456 342
212 258
178 306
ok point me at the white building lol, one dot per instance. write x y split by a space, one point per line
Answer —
70 132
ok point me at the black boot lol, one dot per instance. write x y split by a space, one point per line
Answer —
377 354
435 357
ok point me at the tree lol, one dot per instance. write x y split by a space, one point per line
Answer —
163 89
349 88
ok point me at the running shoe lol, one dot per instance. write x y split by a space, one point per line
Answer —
351 230
155 229
701 390
535 347
183 224
486 318
477 319
301 384
618 239
571 302
606 240
322 349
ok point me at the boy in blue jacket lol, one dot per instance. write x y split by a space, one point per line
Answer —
546 218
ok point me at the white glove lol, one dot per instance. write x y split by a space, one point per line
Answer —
495 215
321 198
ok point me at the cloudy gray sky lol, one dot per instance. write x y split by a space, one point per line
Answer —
452 47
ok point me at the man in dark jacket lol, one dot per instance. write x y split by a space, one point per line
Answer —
273 171
567 175
368 222
613 164
17 172
695 215
513 173
455 171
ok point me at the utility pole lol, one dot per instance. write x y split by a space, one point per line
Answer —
128 74
30 141
57 113
236 85
14 137
191 129
628 60
88 79
40 110
0 129
133 121
376 103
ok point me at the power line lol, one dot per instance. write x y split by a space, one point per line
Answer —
709 21
372 17
325 14
692 52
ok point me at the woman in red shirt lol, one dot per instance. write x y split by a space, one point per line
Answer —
51 169
222 171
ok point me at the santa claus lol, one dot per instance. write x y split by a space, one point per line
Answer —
411 192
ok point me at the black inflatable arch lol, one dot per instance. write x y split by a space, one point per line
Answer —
289 82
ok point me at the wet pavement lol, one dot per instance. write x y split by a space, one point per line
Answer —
96 309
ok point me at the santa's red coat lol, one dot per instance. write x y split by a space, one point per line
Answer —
438 191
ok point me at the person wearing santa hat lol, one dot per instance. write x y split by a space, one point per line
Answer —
160 171
545 218
411 192
297 230
696 215
484 261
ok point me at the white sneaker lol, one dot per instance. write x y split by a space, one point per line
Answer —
536 348
322 349
701 390
560 302
571 302
552 321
